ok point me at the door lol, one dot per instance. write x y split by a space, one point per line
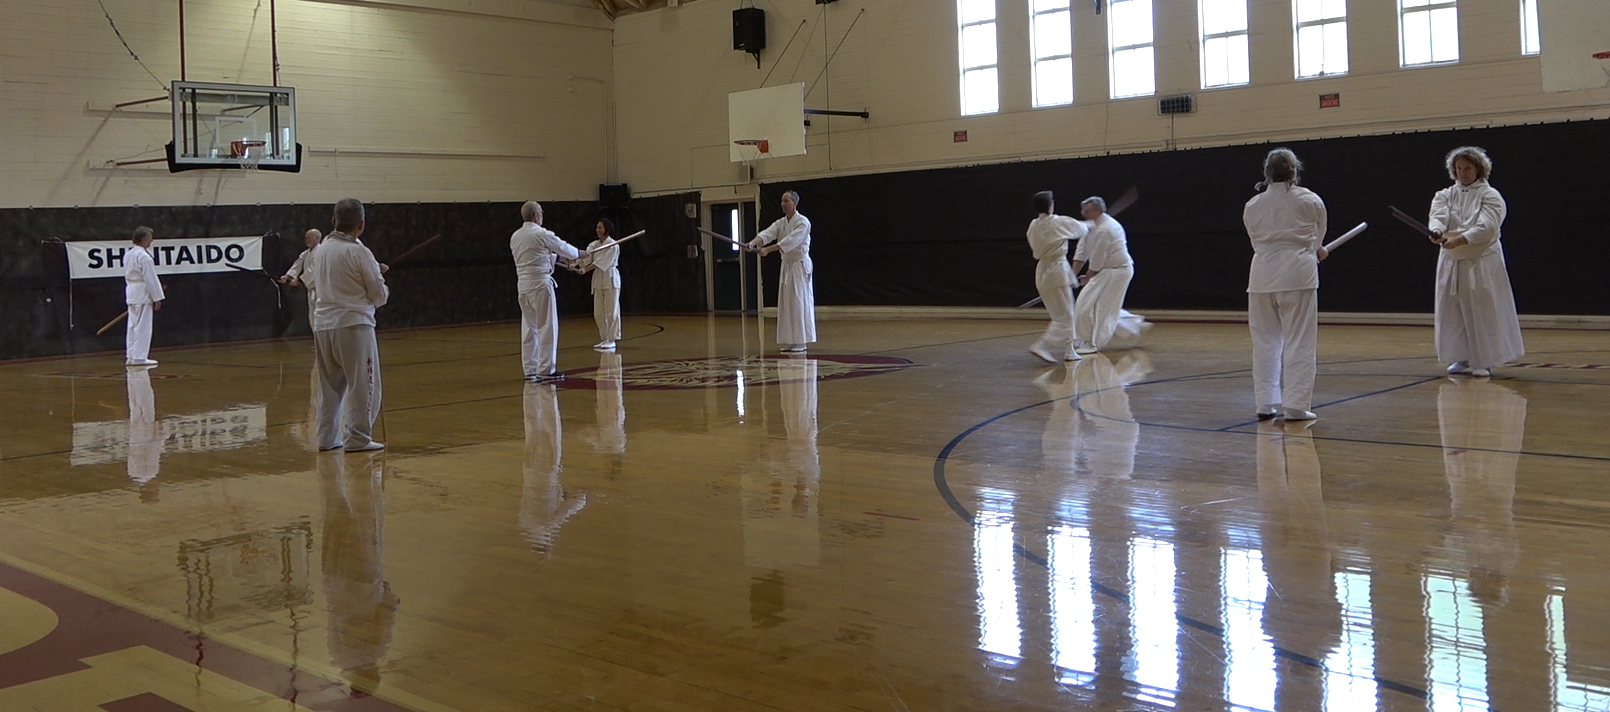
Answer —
733 270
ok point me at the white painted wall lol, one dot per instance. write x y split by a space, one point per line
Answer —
675 66
425 100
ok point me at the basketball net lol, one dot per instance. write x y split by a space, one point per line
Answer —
250 153
749 151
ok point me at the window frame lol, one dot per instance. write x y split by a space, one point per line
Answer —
961 57
1204 37
1429 7
1299 25
1114 49
1529 26
1035 59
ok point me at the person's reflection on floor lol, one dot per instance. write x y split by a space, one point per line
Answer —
545 504
362 608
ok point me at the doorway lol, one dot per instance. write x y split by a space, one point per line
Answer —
732 271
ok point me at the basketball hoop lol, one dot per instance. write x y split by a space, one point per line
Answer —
749 151
249 153
1601 55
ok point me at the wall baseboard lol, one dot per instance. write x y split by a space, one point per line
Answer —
1183 316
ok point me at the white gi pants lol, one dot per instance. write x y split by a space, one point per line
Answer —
539 331
349 385
607 314
1096 311
1058 337
1285 347
796 305
137 343
1475 313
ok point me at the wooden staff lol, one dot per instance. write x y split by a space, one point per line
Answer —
1416 224
639 233
410 253
119 319
719 236
1130 197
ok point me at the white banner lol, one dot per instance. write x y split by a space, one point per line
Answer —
89 260
108 441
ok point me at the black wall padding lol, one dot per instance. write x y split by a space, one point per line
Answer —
467 277
657 276
954 237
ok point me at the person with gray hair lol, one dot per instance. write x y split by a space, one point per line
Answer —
142 292
1049 236
1105 250
535 251
1477 327
347 284
1285 223
293 276
796 297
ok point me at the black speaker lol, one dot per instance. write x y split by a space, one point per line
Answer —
614 196
749 29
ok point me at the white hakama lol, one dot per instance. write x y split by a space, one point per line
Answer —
1097 311
1048 237
796 297
1475 306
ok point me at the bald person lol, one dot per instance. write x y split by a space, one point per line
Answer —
536 249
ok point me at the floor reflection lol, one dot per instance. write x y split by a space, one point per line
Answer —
362 607
1000 631
545 503
781 515
145 437
609 412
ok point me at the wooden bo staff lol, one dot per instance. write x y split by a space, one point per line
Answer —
600 248
1411 222
119 319
719 236
410 253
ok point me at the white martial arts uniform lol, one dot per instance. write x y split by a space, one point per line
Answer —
1053 278
1475 312
607 290
1286 224
1105 252
345 277
298 272
535 250
796 298
141 289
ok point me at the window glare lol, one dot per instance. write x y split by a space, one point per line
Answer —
1132 73
1531 43
976 11
980 93
1053 82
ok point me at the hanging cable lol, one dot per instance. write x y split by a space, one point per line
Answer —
125 42
783 53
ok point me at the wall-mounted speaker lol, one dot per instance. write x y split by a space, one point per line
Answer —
749 29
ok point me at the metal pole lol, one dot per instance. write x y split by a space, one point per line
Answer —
182 75
274 40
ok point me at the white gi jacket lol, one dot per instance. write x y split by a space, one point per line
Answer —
346 277
1474 211
1106 246
1048 238
140 283
1286 224
606 275
535 249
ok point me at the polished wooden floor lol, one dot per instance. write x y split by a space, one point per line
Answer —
917 516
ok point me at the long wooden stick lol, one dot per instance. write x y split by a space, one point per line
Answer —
410 253
639 233
113 323
720 236
1130 197
1411 222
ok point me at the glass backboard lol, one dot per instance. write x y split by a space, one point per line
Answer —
233 126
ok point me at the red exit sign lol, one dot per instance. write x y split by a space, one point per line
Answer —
1330 101
959 137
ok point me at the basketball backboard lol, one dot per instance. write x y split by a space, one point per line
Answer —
218 125
1572 33
775 115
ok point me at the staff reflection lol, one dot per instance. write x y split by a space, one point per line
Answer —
363 609
545 503
610 411
145 435
780 514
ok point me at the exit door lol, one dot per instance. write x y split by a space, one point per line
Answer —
732 269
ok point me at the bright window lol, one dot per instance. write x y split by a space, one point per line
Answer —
1321 37
1531 43
980 87
1429 30
1224 43
1053 52
1129 30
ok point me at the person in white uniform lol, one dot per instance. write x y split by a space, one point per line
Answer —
1105 250
1049 236
1476 323
536 250
347 283
796 299
1285 223
606 285
142 292
298 270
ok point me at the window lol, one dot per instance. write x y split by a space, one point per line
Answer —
1053 52
1429 31
980 85
1321 37
1129 30
1531 43
1224 43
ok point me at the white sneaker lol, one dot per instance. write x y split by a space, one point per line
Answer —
1296 414
140 362
1073 356
1040 352
793 349
1458 367
370 446
1268 412
1481 372
604 346
1085 350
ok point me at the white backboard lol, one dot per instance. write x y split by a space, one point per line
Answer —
776 114
1571 31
